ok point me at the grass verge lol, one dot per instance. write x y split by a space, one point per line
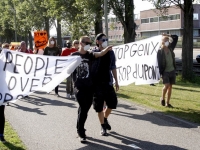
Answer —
185 98
13 141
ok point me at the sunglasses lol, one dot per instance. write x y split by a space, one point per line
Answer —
87 43
103 40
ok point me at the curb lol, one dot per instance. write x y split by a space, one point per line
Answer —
171 118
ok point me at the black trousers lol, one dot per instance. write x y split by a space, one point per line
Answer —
2 119
84 98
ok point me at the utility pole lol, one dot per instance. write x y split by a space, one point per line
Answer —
106 16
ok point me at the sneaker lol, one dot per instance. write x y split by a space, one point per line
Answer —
57 94
72 96
82 136
7 104
68 96
108 127
162 101
103 131
169 105
2 139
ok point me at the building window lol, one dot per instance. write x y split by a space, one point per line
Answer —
195 32
145 20
163 18
174 17
195 16
155 19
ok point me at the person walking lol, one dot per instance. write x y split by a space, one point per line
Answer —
67 52
52 50
167 66
103 70
83 86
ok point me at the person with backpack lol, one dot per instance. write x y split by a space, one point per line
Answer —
83 86
103 71
167 66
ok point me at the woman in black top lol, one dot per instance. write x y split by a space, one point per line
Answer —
52 50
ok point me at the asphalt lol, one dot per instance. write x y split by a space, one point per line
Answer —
46 122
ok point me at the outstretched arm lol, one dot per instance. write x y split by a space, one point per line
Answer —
103 52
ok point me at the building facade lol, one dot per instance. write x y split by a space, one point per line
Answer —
150 23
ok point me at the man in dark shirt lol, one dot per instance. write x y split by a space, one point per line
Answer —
83 86
104 69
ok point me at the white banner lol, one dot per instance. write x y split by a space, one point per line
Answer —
22 74
137 61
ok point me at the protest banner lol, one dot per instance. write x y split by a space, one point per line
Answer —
40 39
137 61
23 74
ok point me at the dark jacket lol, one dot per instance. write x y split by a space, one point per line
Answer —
161 55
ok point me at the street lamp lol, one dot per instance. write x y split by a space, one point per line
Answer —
105 15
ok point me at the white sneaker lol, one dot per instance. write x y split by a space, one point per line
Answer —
72 96
68 96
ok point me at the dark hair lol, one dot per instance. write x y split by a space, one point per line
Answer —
98 37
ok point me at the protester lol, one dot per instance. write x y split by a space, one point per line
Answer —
83 86
67 52
166 64
2 123
52 50
24 49
103 71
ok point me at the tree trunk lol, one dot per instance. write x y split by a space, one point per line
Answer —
30 40
187 43
59 38
47 26
98 21
129 29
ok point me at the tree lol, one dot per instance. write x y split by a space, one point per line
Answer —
187 42
124 11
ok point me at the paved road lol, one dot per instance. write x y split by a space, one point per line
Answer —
45 122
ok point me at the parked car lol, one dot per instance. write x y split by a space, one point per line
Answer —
198 58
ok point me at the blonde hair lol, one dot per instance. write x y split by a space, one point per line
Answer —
82 38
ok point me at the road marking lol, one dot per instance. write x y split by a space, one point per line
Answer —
134 146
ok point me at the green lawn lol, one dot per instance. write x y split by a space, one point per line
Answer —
185 98
13 141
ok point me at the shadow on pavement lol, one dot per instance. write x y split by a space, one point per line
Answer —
98 144
154 118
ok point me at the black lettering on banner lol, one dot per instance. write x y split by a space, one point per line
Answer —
154 47
122 51
119 74
139 71
140 48
36 66
44 81
124 73
7 99
8 61
115 51
134 51
150 71
14 84
145 71
23 87
125 50
146 49
15 67
33 85
46 68
1 96
135 72
25 64
57 64
19 96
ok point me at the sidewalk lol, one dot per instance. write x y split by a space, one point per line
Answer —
46 122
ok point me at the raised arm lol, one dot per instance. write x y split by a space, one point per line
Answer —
103 52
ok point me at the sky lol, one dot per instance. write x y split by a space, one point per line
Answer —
139 6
